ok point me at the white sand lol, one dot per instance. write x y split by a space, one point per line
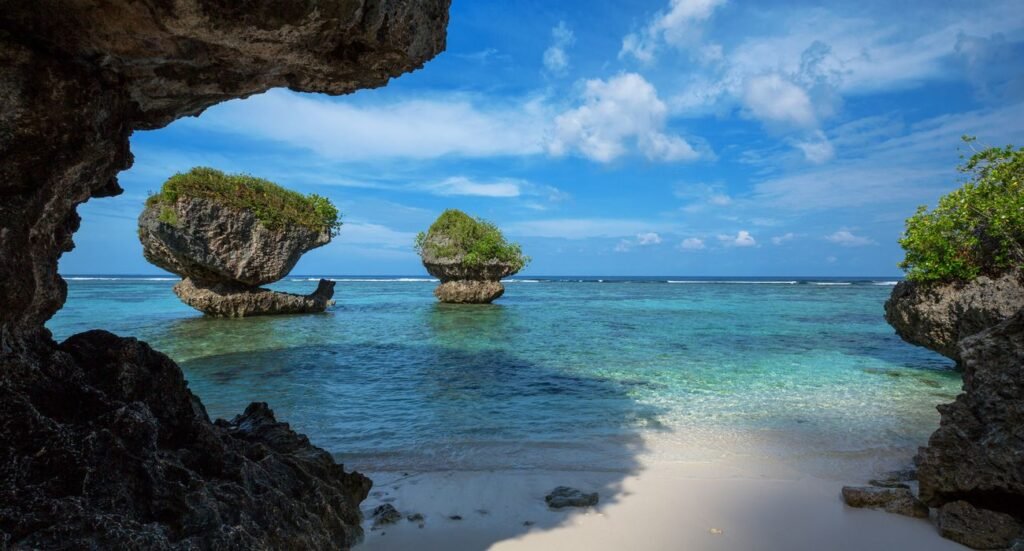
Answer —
718 504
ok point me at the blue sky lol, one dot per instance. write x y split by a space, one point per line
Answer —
663 137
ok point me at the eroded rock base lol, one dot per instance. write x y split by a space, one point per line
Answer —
469 292
232 300
105 447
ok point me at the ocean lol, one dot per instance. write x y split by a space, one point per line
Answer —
561 373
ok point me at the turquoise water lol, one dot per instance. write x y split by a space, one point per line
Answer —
561 373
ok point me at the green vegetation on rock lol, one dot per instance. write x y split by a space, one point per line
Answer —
273 205
975 230
455 234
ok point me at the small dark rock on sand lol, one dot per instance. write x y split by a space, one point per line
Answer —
385 514
564 496
893 500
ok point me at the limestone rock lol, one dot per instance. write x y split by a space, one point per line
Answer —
564 496
469 291
209 242
237 301
939 315
892 500
975 455
105 447
385 514
978 528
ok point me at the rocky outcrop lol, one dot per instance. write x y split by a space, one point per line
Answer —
971 468
939 315
238 301
214 243
462 282
102 445
225 253
976 454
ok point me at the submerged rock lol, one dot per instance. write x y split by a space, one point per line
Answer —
564 496
469 256
978 528
105 447
236 301
892 500
939 315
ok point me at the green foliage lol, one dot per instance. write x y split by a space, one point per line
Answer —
975 230
272 204
477 241
168 216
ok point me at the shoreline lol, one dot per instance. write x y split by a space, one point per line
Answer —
726 503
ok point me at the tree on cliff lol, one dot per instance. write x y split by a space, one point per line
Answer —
975 230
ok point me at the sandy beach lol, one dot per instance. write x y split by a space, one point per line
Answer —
721 502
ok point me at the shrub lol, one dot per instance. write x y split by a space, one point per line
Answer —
456 234
272 204
975 230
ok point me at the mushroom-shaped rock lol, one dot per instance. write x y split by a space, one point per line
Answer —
470 256
227 234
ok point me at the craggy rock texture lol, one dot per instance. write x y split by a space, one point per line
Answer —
977 454
978 528
893 500
225 253
105 448
939 315
973 466
209 242
77 77
462 291
477 284
232 301
102 446
564 496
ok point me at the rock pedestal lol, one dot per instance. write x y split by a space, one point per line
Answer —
467 284
225 253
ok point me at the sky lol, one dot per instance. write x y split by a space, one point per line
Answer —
651 137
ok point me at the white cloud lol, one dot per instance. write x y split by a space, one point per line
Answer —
583 228
615 114
648 238
774 99
741 239
556 59
364 233
340 130
460 185
691 244
846 238
677 26
817 148
780 239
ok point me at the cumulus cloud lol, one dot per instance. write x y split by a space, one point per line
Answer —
643 239
678 25
692 244
774 99
556 59
846 238
616 114
741 239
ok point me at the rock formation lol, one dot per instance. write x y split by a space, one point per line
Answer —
454 251
224 253
103 446
974 459
938 316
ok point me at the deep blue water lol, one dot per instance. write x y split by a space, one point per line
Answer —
567 372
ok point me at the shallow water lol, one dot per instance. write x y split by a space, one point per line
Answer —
566 373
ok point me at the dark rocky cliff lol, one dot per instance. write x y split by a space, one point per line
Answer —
103 446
